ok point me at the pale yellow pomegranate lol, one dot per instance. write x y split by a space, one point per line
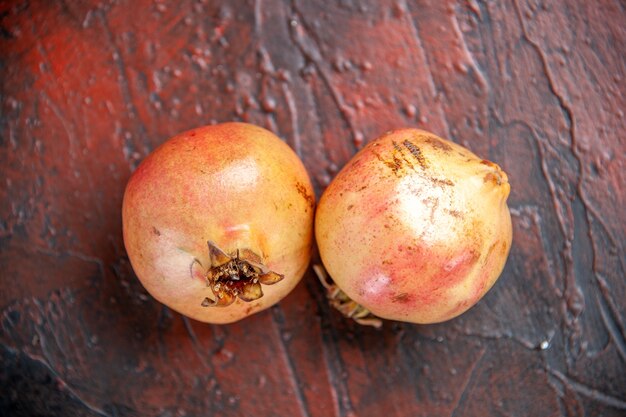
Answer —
218 221
415 228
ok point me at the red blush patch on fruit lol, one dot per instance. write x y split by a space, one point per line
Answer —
455 269
409 279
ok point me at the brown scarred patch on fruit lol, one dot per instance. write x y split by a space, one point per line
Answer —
417 153
454 213
496 175
441 182
438 144
504 247
389 164
400 160
401 298
156 231
490 252
302 190
493 177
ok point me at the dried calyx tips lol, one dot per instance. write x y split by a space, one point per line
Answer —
237 275
344 304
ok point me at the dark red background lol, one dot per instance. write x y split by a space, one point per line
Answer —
89 88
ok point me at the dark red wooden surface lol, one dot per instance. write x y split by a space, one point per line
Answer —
89 88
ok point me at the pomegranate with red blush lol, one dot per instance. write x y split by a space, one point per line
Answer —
414 228
218 221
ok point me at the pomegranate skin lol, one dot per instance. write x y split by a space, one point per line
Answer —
415 228
233 186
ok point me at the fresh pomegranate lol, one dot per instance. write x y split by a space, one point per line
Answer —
414 228
218 221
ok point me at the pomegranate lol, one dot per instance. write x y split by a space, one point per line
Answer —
414 228
218 221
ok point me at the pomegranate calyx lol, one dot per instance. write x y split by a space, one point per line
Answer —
238 275
344 304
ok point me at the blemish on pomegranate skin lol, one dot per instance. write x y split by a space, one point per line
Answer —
438 144
402 298
156 231
504 248
493 177
305 194
441 182
490 252
398 163
417 153
454 213
396 166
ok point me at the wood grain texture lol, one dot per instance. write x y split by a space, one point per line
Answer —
89 88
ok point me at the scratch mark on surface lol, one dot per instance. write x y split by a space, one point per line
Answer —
588 392
334 364
482 80
195 343
310 49
508 336
126 92
278 319
431 79
466 384
610 316
293 113
69 131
